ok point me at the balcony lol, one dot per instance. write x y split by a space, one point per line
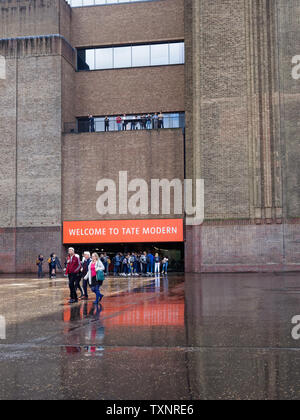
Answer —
128 123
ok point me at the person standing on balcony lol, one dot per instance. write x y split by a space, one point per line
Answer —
149 121
133 123
155 121
124 119
91 124
119 123
106 124
161 120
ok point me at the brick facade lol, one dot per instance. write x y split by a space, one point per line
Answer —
241 107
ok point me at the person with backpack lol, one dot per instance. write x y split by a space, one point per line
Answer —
95 277
54 263
39 263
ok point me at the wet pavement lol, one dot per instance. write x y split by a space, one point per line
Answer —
182 338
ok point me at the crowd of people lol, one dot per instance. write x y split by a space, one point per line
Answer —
90 271
139 264
136 122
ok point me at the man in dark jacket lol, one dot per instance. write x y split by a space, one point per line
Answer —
73 269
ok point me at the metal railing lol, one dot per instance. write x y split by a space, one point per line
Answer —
130 124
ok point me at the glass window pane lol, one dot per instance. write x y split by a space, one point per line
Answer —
177 53
141 56
90 59
160 55
76 3
104 58
122 57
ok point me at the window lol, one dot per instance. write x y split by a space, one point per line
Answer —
104 58
141 56
131 56
160 55
122 57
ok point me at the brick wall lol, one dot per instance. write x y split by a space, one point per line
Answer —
88 158
160 20
129 91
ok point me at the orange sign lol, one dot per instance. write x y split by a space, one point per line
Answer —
119 231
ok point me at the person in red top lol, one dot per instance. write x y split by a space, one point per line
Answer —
72 270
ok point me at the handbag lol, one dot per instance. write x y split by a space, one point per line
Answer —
100 275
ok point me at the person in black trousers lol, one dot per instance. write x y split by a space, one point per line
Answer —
85 268
106 124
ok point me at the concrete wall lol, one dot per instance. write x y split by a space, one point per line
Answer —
88 158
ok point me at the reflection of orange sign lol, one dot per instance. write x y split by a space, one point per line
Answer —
118 231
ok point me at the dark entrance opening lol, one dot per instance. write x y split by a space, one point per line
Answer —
173 250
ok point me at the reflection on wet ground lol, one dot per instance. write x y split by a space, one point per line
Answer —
182 337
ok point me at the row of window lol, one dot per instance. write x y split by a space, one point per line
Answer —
131 56
81 3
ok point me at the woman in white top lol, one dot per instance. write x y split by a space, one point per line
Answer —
95 266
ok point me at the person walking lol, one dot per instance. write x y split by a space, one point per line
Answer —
72 270
53 265
157 263
94 277
143 262
165 263
39 263
106 124
84 271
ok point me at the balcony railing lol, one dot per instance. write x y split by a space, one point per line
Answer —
129 124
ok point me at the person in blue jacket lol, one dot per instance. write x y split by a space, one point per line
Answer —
150 263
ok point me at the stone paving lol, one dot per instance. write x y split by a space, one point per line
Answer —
183 337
